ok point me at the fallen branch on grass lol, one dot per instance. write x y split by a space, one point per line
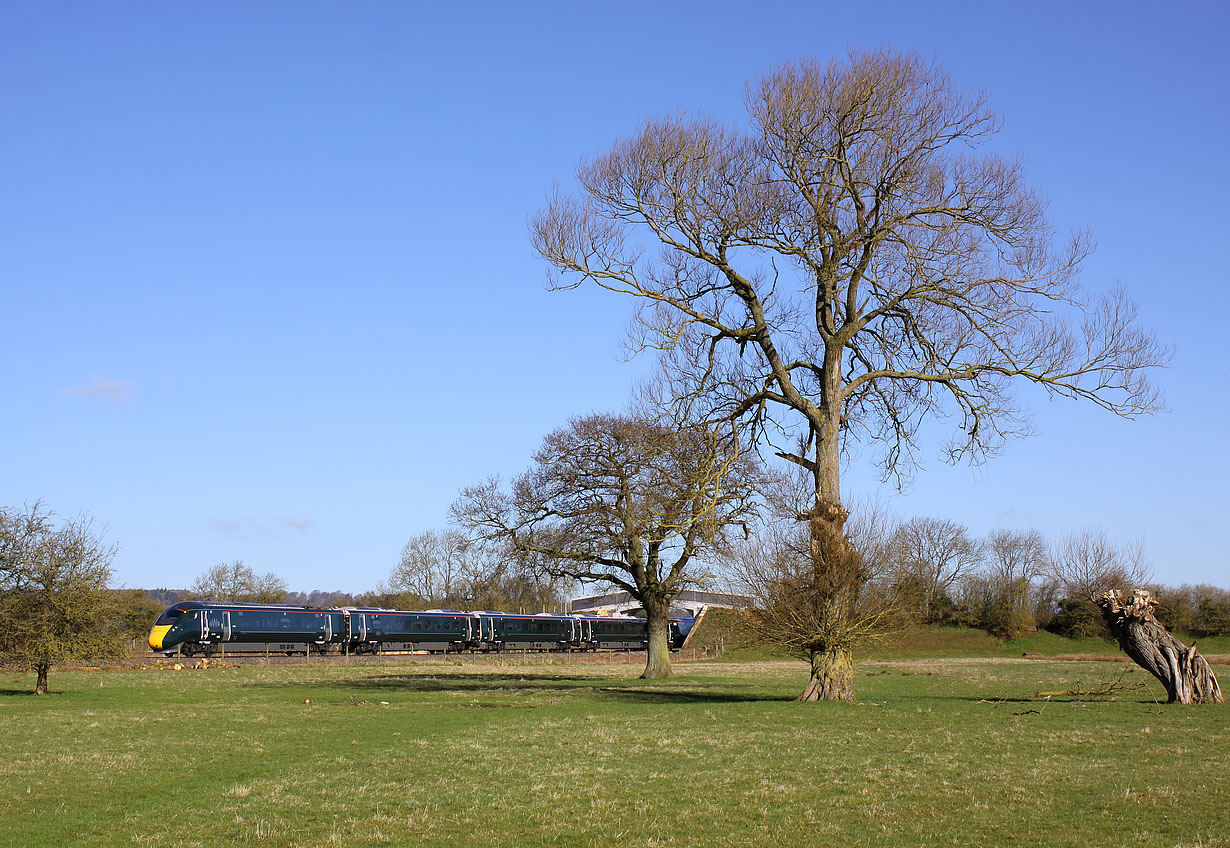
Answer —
1106 690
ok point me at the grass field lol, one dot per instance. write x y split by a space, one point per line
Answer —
529 753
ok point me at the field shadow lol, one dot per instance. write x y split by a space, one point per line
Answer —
1070 699
684 696
530 683
16 693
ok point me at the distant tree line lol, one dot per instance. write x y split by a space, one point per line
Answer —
1011 582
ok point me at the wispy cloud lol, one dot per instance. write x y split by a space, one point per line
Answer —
225 528
249 528
103 391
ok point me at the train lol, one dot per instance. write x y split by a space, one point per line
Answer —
189 628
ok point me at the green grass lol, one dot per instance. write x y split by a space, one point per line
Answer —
938 752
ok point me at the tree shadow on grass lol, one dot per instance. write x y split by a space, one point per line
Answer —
1139 698
686 696
507 683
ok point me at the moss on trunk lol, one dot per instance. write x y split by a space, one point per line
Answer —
832 675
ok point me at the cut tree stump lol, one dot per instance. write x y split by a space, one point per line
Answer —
1187 676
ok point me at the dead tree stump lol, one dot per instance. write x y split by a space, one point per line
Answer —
1187 676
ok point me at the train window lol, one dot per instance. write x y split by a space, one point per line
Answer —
168 616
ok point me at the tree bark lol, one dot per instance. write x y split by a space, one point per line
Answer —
832 675
658 660
1187 676
40 684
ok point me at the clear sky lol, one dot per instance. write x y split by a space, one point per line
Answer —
266 291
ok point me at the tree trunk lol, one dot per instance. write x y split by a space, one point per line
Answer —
836 578
40 685
658 661
1185 674
832 675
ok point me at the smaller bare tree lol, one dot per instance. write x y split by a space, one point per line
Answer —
622 501
1090 566
1014 561
1087 564
236 582
434 566
934 554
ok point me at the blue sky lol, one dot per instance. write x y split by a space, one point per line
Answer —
267 292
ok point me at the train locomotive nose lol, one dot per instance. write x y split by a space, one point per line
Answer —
157 635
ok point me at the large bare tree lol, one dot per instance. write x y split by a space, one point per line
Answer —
851 265
622 501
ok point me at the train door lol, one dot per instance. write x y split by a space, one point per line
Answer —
486 631
217 626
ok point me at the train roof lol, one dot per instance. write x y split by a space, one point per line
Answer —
287 608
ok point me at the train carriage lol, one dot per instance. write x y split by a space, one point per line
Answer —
543 632
610 633
371 630
201 627
192 627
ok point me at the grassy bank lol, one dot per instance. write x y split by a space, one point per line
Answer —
939 752
717 632
925 642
